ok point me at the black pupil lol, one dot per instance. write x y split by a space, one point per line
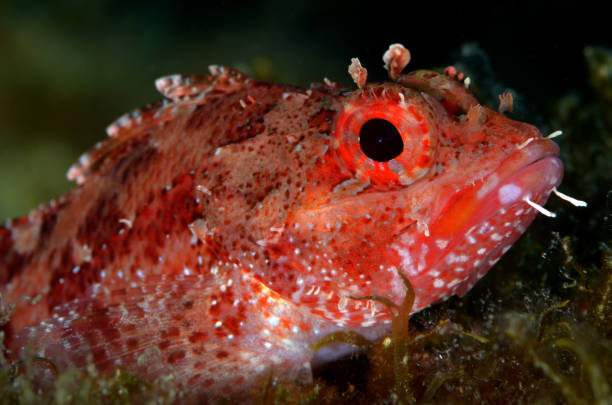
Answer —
380 140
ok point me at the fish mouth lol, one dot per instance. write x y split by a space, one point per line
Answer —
503 214
477 228
530 173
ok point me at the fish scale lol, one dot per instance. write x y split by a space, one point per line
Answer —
216 235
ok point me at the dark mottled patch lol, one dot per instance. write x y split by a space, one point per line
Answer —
175 356
322 120
164 344
10 261
132 343
170 332
123 155
221 354
131 164
198 336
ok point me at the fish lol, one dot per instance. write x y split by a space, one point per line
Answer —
217 235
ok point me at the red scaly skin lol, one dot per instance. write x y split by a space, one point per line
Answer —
216 235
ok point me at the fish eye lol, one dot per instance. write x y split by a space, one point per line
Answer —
386 134
380 140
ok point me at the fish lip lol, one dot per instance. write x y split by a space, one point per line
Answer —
529 154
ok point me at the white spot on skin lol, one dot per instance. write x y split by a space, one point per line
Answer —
496 237
441 243
273 321
369 322
481 251
407 262
454 282
509 193
438 283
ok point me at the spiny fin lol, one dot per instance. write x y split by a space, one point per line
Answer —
184 85
183 92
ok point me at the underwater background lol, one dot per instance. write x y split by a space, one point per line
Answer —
536 329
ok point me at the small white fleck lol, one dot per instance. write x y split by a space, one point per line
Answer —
273 321
481 251
218 324
459 269
442 243
496 237
454 282
438 283
367 323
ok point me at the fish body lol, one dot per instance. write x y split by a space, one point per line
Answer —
215 236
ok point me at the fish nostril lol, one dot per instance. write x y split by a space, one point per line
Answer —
380 140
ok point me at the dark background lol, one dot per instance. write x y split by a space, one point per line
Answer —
68 68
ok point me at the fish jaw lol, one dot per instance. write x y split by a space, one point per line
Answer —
476 227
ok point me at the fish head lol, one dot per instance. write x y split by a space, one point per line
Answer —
418 182
409 177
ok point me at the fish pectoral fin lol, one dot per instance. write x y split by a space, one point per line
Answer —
196 329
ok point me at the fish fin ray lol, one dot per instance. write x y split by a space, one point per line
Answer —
184 93
166 326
